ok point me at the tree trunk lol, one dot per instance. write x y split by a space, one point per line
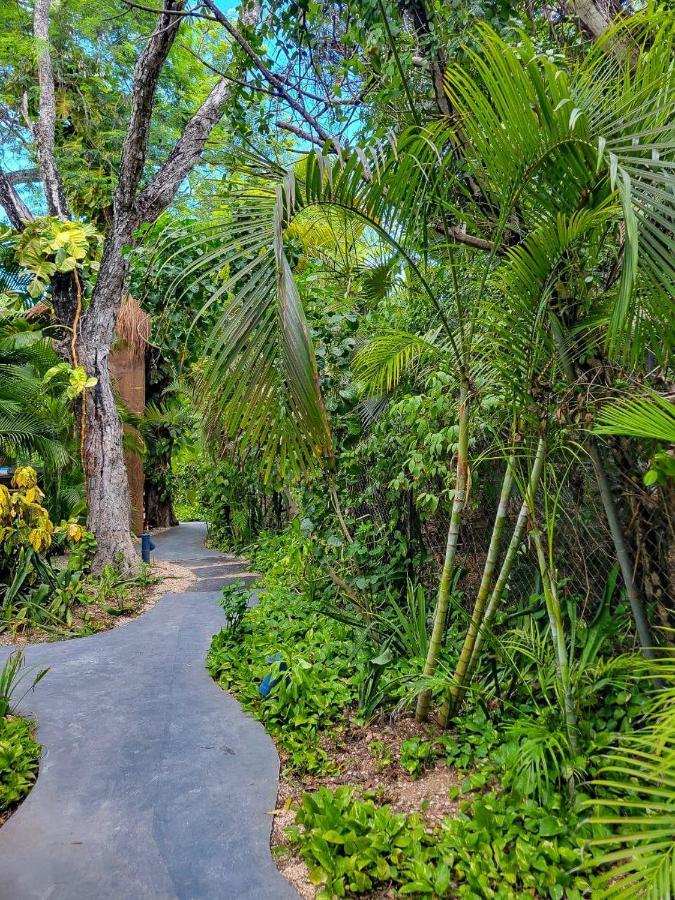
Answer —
108 500
459 501
549 583
510 557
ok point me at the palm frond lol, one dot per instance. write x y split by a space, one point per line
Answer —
638 775
543 138
651 417
381 363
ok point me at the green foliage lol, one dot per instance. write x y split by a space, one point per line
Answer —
415 755
12 675
48 246
19 754
234 604
32 590
492 849
312 686
19 760
638 775
74 379
35 418
228 497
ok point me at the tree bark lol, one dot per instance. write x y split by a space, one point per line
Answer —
17 211
44 128
106 482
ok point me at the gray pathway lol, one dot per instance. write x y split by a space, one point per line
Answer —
153 782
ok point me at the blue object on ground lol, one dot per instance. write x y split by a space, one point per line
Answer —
146 546
269 680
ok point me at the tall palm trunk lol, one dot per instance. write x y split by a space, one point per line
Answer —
623 553
457 687
458 503
510 557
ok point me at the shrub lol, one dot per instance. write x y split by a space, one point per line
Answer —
19 757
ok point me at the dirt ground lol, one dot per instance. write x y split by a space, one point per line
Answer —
367 758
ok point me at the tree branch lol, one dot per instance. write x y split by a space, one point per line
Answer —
184 156
146 77
269 76
188 149
43 129
17 211
305 135
23 176
459 234
182 13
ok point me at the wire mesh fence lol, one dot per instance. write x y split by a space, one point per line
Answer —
583 552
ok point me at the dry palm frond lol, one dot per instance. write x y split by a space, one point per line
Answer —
133 328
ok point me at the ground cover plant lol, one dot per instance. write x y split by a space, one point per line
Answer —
19 752
522 814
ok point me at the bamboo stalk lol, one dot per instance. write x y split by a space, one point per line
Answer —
458 503
549 584
457 688
510 557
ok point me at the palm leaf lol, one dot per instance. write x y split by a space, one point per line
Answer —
646 417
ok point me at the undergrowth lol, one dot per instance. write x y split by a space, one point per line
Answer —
311 675
492 849
19 759
520 830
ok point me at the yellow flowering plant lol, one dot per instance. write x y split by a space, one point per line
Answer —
28 581
23 520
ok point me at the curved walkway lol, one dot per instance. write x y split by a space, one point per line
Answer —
153 782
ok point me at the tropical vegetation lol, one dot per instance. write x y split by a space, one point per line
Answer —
399 281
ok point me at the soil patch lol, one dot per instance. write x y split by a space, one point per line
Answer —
367 759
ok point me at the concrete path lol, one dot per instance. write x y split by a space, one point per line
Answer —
153 782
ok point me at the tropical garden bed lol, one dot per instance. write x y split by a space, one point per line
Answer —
19 751
373 803
49 593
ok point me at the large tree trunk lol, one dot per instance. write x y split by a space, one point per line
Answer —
108 500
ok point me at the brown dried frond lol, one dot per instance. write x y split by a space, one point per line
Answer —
133 327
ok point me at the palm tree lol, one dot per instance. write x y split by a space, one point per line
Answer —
570 166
